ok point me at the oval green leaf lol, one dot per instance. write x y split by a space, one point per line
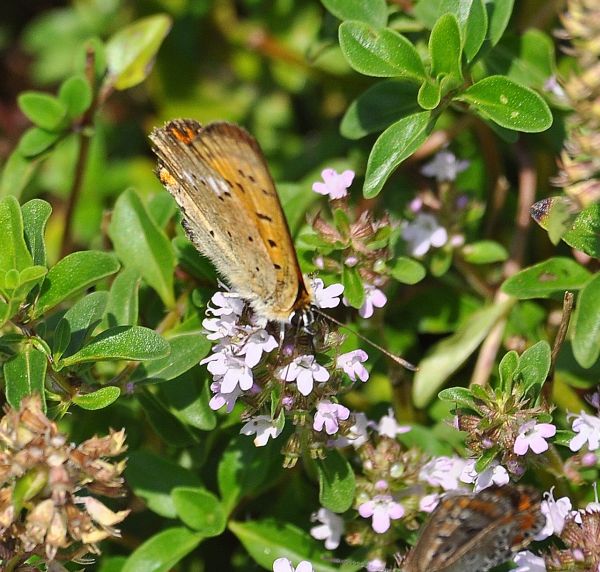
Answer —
13 252
99 399
337 483
373 12
484 252
42 109
445 50
407 270
200 510
37 140
586 324
36 213
76 94
25 374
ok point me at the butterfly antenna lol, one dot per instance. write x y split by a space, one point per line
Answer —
397 359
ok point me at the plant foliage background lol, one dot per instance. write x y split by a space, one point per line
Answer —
102 296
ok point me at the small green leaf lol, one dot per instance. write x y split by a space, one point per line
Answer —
42 109
486 459
378 107
447 356
72 274
134 343
200 510
547 278
36 213
354 291
430 94
153 477
499 13
586 324
122 307
407 270
142 245
534 365
507 369
394 145
267 540
373 12
25 374
583 232
13 252
17 171
508 104
380 52
484 252
36 140
99 399
472 20
445 50
76 95
186 351
131 51
336 482
162 551
166 425
460 396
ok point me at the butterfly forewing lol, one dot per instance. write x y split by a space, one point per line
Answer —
219 178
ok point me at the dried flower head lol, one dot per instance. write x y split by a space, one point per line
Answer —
42 477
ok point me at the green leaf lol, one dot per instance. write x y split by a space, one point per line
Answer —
36 213
25 374
36 140
134 343
534 365
507 369
354 291
448 355
486 459
80 321
378 107
76 95
122 307
99 399
583 232
188 399
547 278
153 478
42 109
74 273
460 396
336 482
445 50
484 252
373 12
430 94
166 425
186 351
394 145
380 52
586 324
244 468
142 245
472 20
131 51
499 13
162 551
17 171
200 510
267 540
407 270
508 104
13 253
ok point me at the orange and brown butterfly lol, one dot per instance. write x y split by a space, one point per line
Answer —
232 213
476 532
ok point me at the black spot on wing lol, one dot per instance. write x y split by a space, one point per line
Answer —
263 216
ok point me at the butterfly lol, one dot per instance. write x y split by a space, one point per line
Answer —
232 214
475 532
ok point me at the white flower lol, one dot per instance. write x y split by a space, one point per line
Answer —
284 565
257 343
527 561
555 511
304 370
374 298
383 509
444 166
232 370
357 434
221 328
219 399
326 297
389 427
330 530
423 233
376 565
495 474
264 427
328 415
552 86
429 502
443 472
335 185
533 435
224 305
587 428
352 364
